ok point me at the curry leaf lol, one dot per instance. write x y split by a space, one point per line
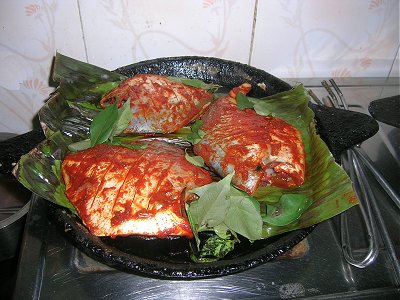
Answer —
223 231
195 160
210 209
224 209
135 146
196 134
79 146
103 124
244 218
123 120
195 232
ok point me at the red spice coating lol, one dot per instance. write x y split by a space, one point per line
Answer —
261 150
158 104
119 191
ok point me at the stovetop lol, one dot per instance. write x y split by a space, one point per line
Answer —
50 267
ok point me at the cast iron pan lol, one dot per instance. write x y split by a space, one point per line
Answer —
169 258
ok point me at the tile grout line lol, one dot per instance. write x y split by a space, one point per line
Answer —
83 32
253 31
393 62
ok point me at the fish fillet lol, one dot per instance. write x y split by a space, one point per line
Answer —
158 104
119 191
260 150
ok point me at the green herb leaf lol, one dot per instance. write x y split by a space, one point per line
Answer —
136 146
210 209
103 124
79 146
243 102
123 120
216 246
195 160
193 224
243 217
222 209
223 231
196 134
59 192
288 210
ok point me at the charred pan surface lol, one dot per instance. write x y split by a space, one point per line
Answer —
226 73
158 104
119 191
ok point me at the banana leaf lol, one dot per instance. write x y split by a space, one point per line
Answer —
65 119
67 115
73 105
326 183
40 170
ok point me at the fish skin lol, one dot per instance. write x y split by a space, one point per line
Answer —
119 191
260 150
158 104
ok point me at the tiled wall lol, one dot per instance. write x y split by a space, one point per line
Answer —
287 38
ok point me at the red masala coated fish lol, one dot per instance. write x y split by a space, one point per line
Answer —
158 104
260 150
119 191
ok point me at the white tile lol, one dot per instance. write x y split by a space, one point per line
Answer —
292 39
326 38
31 33
118 33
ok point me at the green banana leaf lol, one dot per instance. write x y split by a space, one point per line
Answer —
67 115
65 118
73 105
40 170
326 183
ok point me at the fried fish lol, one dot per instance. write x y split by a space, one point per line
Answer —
158 104
261 150
120 191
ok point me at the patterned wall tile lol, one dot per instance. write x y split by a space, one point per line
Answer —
31 33
326 38
292 39
118 33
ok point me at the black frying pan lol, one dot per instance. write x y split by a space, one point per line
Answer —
169 258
